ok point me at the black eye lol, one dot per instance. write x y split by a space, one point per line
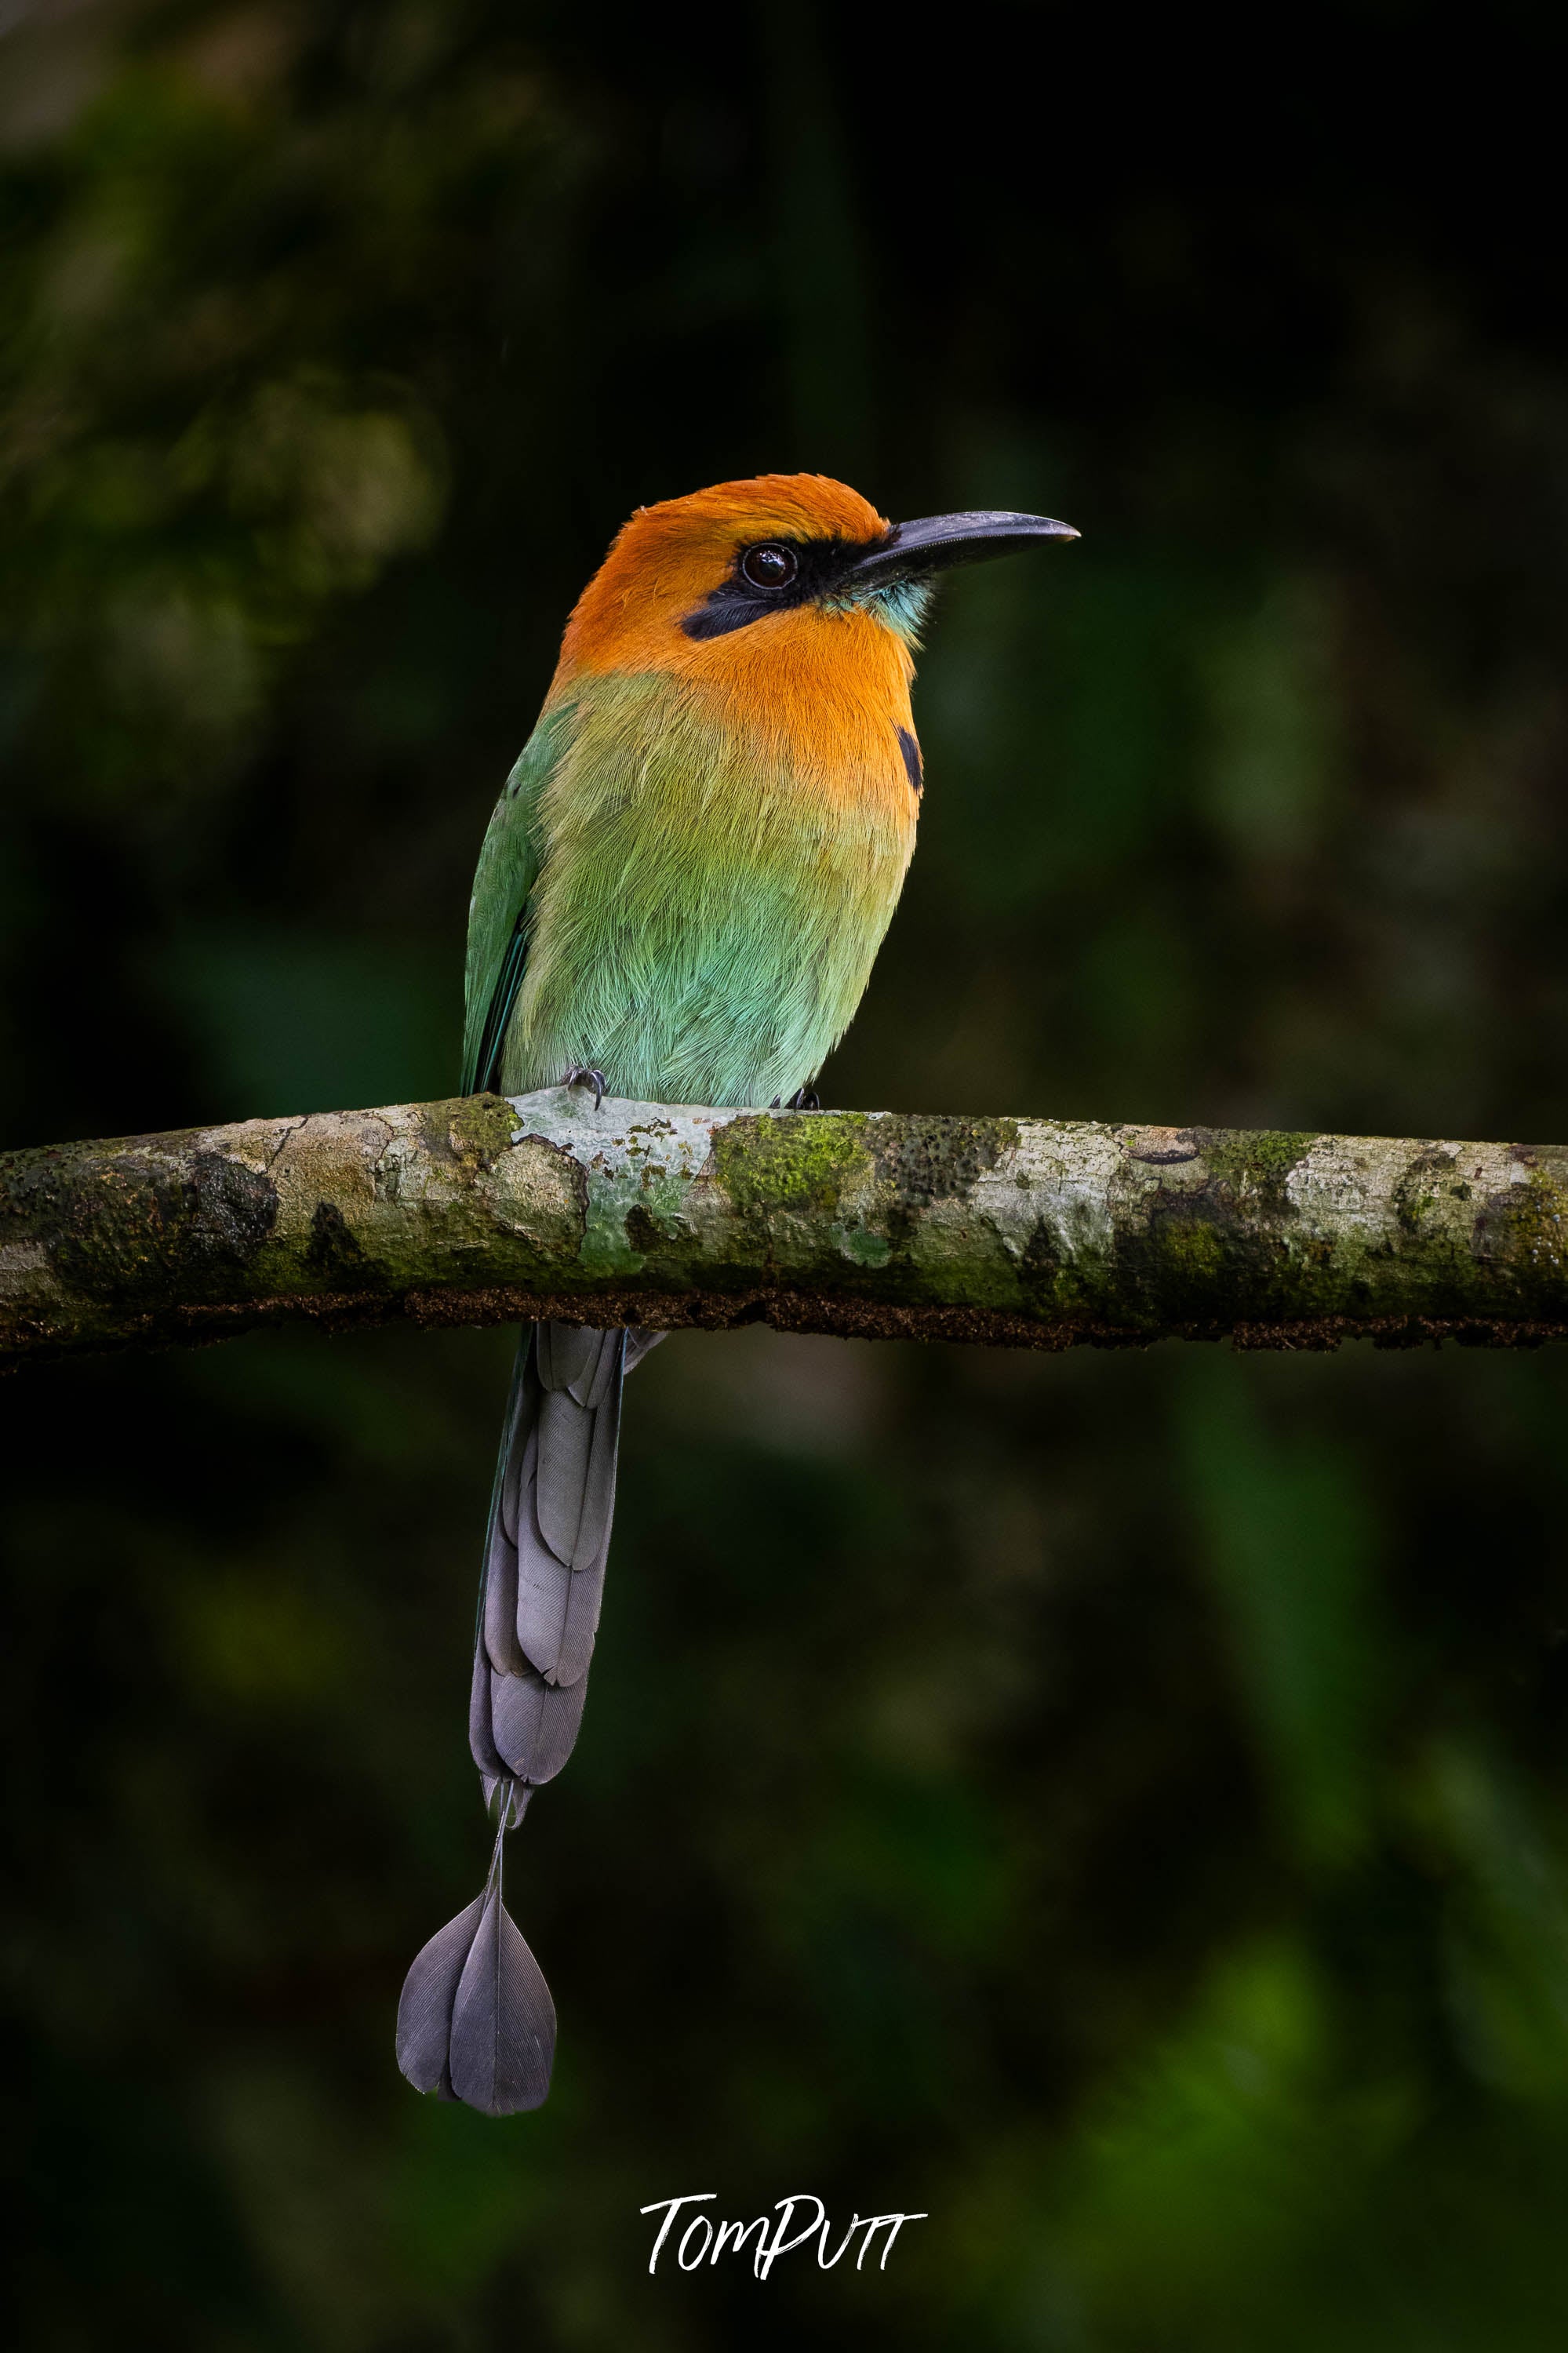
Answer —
770 565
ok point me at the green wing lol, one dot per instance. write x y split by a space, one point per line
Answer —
500 912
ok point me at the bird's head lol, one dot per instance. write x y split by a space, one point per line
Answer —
689 579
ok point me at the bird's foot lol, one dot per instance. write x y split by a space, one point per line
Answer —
803 1099
579 1075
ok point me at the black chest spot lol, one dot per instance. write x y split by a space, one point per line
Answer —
911 751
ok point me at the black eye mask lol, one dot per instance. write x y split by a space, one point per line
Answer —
820 566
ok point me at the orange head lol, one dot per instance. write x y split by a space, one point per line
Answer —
687 579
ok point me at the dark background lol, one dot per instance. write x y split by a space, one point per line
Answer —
1115 1804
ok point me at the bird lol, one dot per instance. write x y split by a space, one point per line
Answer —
679 899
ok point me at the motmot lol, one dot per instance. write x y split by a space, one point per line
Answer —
679 899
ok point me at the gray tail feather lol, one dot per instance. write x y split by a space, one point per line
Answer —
476 2022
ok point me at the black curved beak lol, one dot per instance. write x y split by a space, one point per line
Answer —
933 542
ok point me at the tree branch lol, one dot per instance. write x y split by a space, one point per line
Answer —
1035 1233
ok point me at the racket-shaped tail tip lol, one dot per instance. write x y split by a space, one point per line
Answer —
476 2022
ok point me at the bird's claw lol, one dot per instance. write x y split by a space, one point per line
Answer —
803 1099
579 1075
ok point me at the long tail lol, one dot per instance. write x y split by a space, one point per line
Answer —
476 2022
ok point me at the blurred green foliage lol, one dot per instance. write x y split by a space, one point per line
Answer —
1113 1803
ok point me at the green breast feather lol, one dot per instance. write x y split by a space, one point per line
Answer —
694 924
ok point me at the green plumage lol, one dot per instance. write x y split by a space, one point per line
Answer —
696 925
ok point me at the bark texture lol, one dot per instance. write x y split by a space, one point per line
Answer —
1020 1231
